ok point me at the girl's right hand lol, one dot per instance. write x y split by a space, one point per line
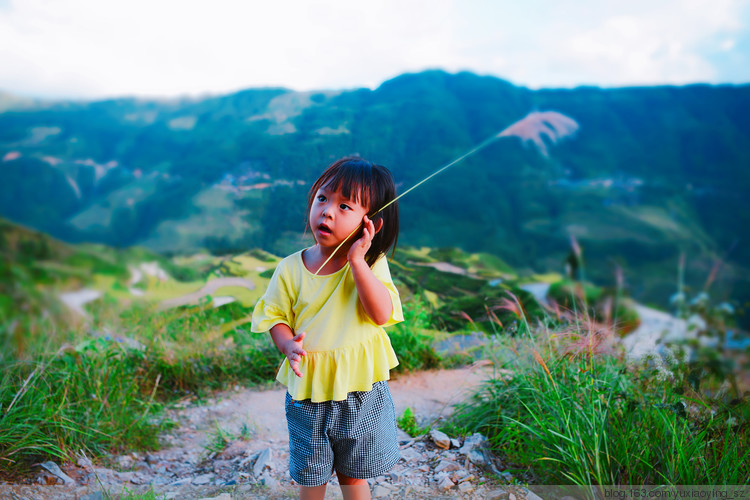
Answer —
293 351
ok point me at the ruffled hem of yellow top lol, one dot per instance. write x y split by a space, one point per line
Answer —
331 375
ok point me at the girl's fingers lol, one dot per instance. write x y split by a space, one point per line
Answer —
294 361
362 245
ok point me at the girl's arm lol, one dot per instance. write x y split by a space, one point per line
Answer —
289 344
373 295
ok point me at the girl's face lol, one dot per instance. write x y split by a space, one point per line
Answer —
333 217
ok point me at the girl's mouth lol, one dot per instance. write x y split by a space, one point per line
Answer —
324 230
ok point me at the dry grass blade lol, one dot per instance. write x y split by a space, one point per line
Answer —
509 305
481 146
584 334
493 317
40 368
540 360
467 318
22 390
575 246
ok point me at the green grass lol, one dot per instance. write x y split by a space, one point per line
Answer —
589 419
102 386
407 422
90 399
106 393
127 494
560 413
219 439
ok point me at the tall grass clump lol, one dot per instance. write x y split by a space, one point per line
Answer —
88 400
104 389
569 410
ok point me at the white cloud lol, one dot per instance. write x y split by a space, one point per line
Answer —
631 43
157 47
727 45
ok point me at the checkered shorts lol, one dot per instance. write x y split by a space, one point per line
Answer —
356 436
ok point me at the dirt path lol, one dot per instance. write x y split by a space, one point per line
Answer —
252 459
430 395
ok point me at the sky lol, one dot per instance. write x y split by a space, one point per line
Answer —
92 49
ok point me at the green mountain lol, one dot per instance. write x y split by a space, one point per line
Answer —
636 175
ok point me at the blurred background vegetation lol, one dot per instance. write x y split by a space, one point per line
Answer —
137 235
650 173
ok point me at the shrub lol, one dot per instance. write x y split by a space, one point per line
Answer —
590 420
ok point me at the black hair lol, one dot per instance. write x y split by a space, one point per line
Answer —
371 186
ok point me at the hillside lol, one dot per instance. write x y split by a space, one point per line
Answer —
122 376
648 172
50 288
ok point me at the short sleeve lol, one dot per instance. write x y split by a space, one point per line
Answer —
382 272
275 306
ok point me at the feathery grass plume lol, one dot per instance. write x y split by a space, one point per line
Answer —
538 358
606 306
510 305
553 308
533 126
539 127
679 300
467 318
578 272
718 264
575 246
514 305
713 274
619 288
585 335
619 277
494 320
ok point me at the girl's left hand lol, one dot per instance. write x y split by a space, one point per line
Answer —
360 247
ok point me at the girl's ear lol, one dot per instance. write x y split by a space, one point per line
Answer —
378 225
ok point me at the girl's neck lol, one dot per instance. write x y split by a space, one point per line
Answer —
315 256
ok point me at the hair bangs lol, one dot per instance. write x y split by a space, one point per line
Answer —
354 180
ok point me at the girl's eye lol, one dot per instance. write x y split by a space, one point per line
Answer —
321 198
344 207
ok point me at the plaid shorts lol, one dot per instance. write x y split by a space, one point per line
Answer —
356 436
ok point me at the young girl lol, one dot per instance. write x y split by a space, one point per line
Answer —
326 309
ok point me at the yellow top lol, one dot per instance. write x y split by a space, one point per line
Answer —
346 350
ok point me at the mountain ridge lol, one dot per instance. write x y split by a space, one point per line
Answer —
650 173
